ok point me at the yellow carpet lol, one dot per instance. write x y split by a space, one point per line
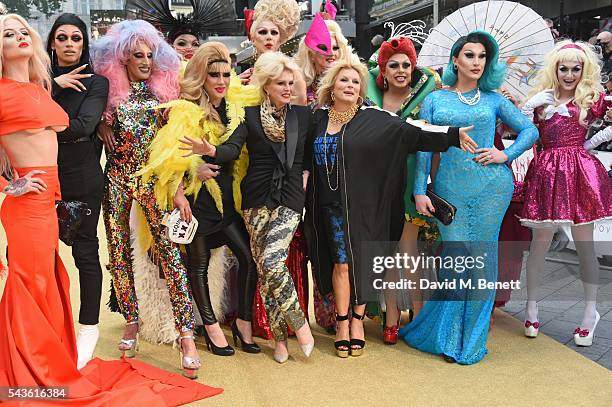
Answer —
517 372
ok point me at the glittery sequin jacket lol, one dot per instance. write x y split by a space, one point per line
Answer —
135 123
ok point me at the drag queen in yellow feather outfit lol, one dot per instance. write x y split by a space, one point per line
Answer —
211 106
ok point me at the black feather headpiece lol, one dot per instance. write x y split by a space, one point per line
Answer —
208 17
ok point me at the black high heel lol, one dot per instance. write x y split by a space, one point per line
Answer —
357 345
449 359
247 347
342 353
217 350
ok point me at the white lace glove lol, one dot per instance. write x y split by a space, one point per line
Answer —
600 137
546 97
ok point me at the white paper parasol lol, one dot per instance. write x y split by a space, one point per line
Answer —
522 34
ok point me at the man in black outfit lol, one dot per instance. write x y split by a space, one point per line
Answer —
83 95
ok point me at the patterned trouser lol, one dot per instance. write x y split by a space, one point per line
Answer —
117 203
271 231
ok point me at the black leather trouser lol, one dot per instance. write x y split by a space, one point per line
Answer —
235 236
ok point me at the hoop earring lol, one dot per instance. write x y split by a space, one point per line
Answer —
207 96
385 83
52 56
358 102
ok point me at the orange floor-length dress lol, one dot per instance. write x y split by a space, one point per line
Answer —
37 340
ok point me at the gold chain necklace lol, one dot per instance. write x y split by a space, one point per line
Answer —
336 117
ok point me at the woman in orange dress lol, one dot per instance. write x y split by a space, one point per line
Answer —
37 345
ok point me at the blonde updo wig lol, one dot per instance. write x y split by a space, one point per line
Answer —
328 80
285 14
271 66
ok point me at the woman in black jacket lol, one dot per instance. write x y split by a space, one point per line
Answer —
357 156
82 94
272 191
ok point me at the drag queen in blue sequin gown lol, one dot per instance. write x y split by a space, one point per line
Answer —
480 185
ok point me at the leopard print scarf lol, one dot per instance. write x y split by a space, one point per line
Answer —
273 121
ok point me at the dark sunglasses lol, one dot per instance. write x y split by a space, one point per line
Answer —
217 74
395 65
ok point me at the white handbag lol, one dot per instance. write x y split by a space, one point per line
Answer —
177 229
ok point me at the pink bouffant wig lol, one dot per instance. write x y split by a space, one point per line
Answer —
111 52
398 45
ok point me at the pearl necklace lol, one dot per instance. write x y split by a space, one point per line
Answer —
473 101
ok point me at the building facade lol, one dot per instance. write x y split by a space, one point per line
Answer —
97 14
574 19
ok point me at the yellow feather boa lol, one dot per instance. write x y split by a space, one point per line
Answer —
166 164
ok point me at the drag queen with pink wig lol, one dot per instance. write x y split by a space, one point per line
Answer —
142 70
566 184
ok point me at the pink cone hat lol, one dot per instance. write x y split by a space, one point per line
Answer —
318 38
330 9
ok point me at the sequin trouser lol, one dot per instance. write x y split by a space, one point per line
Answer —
117 202
271 231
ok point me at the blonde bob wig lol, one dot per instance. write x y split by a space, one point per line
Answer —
588 89
210 57
328 80
39 66
304 55
285 14
271 66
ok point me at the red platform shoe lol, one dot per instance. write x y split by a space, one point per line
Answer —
390 332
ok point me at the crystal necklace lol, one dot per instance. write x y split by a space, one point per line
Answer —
471 102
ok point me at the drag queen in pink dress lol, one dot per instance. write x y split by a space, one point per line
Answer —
566 184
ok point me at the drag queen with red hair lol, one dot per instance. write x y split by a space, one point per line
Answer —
566 184
399 86
37 345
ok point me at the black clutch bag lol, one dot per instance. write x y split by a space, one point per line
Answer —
70 215
444 210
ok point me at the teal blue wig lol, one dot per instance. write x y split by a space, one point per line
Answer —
494 73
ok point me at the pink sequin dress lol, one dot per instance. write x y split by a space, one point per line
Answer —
566 184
